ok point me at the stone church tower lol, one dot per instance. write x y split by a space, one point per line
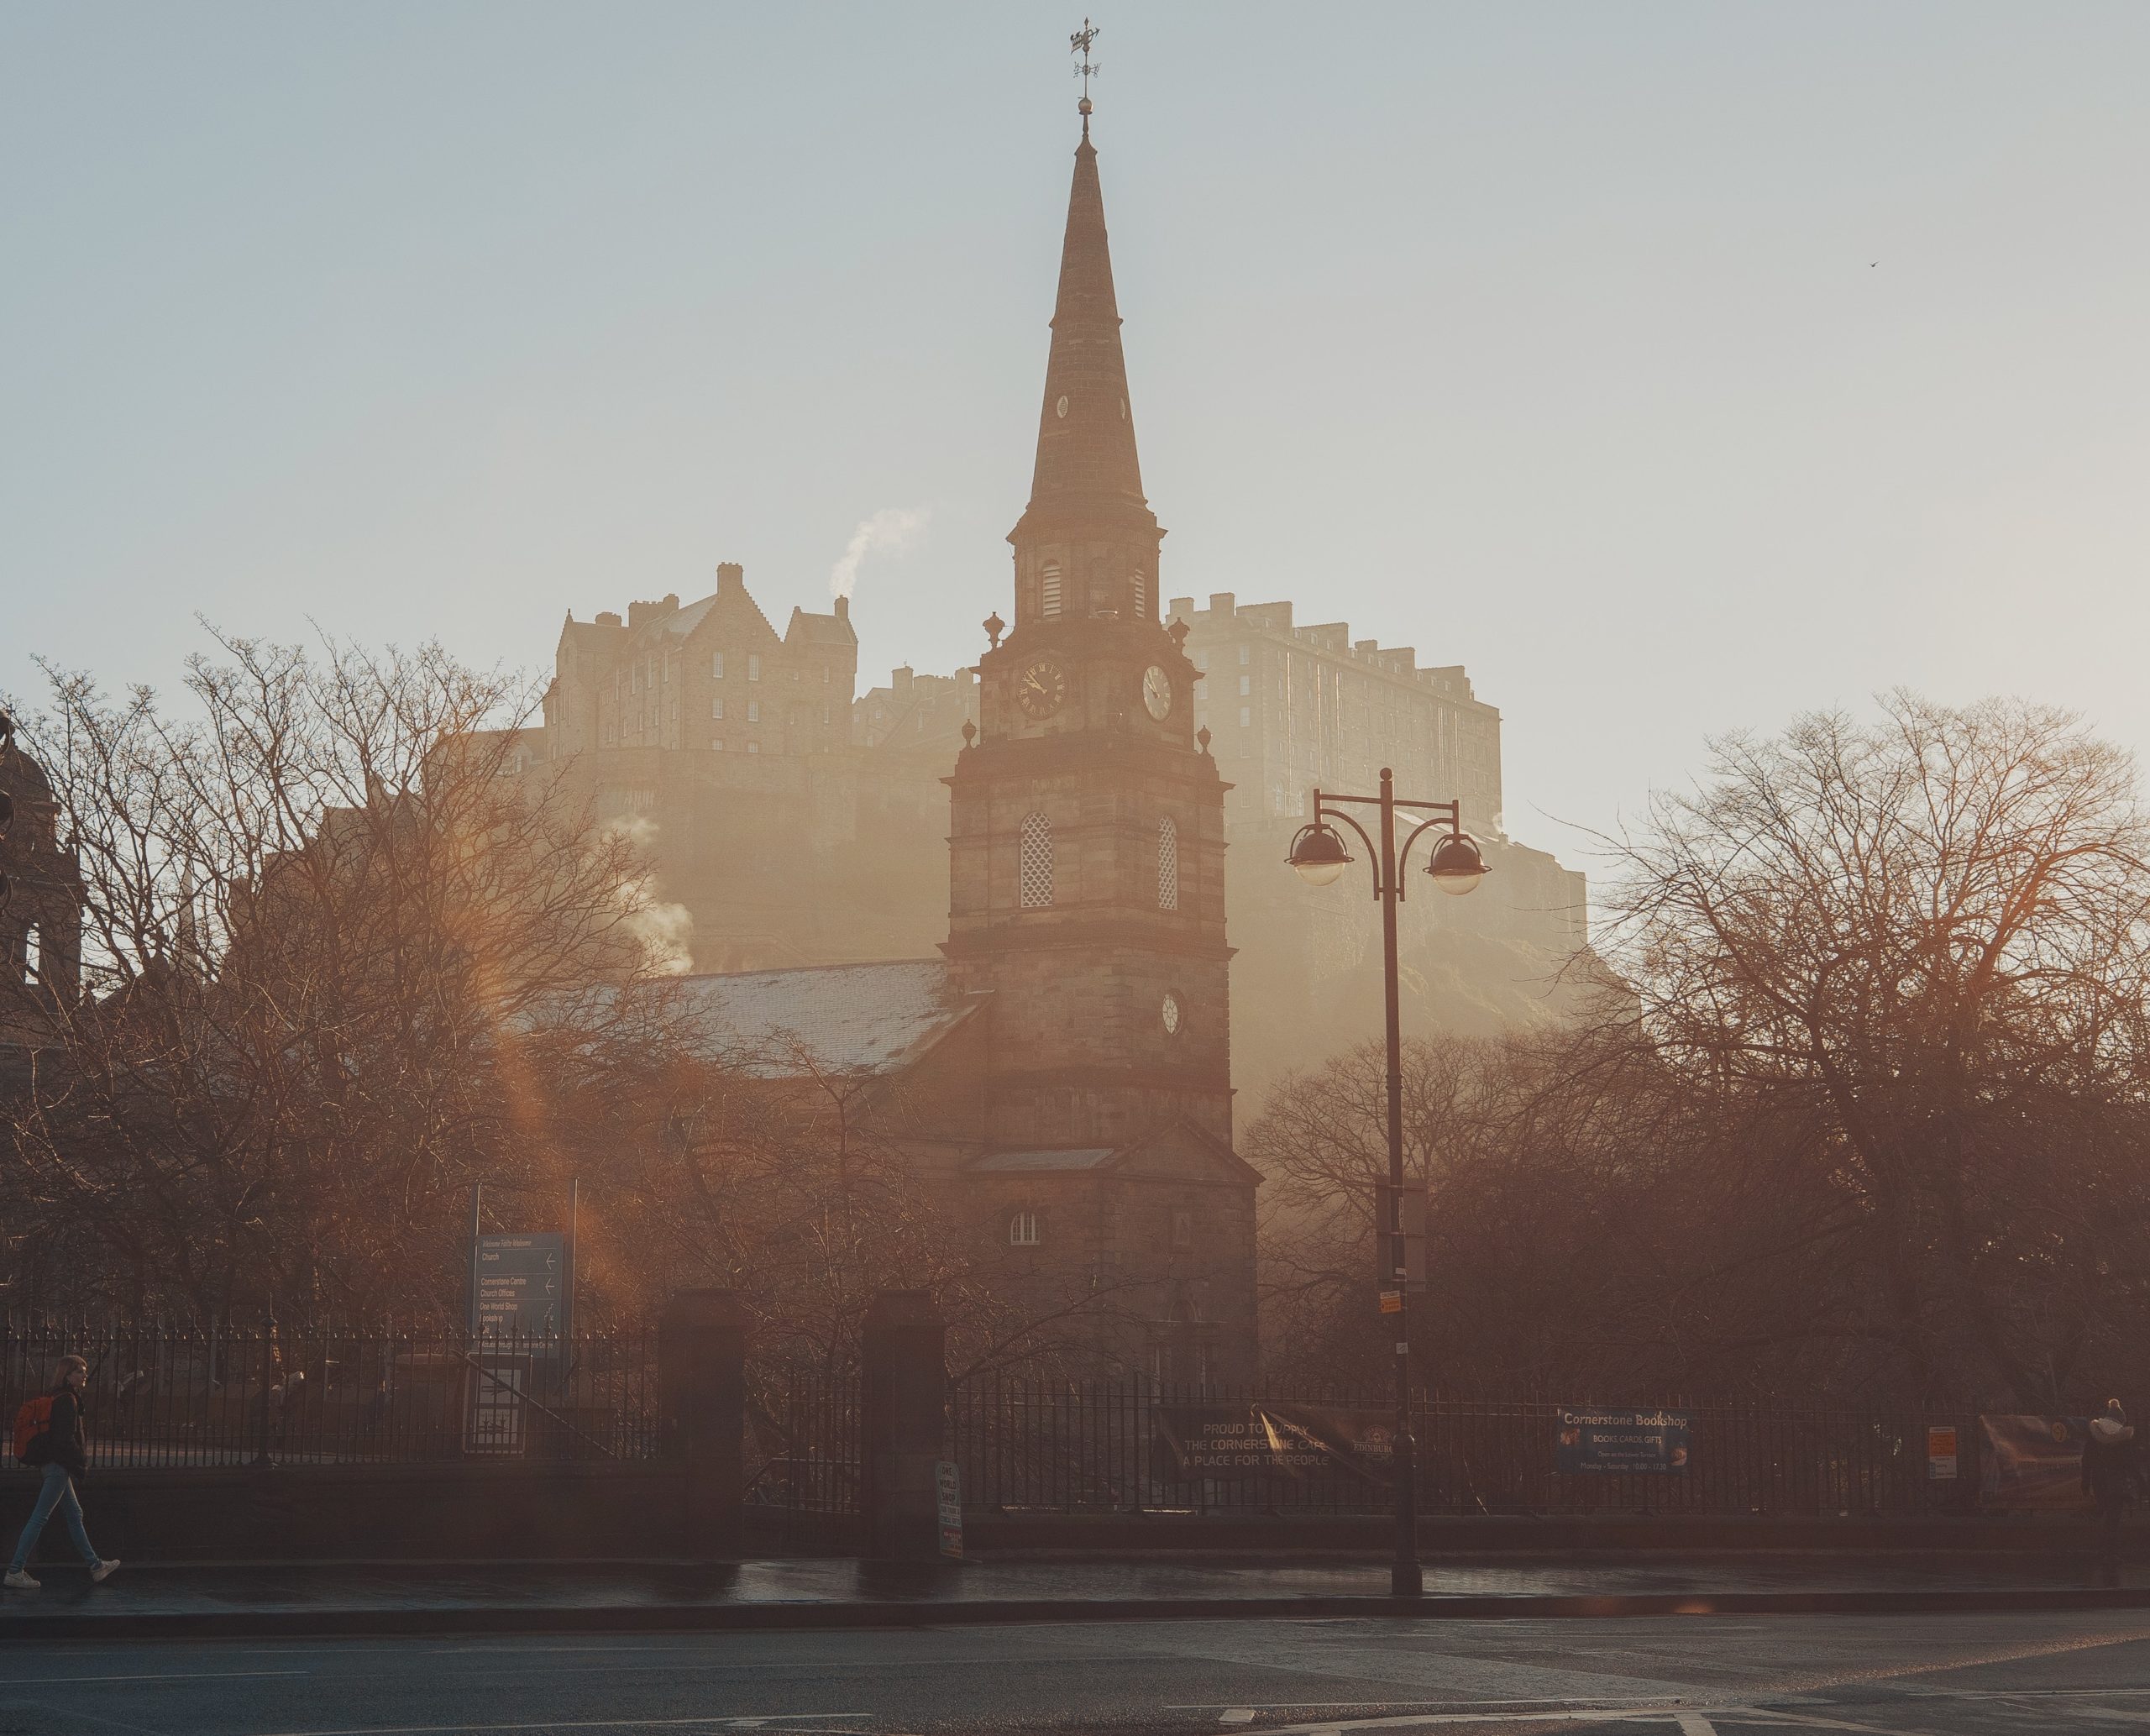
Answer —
1087 848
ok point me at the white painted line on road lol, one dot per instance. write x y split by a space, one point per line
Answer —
2112 1714
1236 1715
34 1682
1695 1725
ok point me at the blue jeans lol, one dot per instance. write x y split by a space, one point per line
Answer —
59 1491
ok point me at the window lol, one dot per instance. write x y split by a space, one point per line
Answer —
1245 654
754 666
1049 588
1141 594
1035 868
634 676
650 672
1023 1231
753 746
825 714
1182 1229
716 705
1246 685
664 670
825 674
1168 864
717 665
1246 717
717 746
753 710
32 955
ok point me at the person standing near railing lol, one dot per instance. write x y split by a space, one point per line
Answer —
2113 1472
60 1450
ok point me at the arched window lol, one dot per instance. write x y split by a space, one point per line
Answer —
1168 864
1049 588
1141 595
1023 1231
1035 870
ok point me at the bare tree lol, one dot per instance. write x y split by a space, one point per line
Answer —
332 942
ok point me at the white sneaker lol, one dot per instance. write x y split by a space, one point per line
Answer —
102 1571
18 1581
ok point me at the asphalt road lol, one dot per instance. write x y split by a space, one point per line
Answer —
1948 1676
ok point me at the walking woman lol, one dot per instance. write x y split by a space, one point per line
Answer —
60 1451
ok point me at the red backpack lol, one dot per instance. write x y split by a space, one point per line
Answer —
33 1419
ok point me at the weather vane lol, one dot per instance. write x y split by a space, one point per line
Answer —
1079 43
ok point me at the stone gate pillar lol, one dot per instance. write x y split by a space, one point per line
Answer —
903 1403
702 1379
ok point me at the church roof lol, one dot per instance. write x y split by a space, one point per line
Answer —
860 1021
1005 1162
1086 454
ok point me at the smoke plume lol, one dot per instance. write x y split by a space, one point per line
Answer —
890 531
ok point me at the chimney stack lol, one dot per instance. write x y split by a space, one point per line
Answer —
731 577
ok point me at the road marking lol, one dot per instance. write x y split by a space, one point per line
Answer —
2113 1714
1694 1725
32 1681
1236 1715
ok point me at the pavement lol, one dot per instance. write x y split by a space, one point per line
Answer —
148 1600
1980 1674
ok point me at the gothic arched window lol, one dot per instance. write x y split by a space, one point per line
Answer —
1168 864
1035 870
1049 588
1141 595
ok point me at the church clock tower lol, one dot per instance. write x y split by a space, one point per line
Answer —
1087 848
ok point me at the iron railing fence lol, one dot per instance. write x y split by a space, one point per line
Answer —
162 1395
803 1448
1123 1446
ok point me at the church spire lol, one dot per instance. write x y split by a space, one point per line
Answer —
1086 469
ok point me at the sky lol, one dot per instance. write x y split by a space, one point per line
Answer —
1675 368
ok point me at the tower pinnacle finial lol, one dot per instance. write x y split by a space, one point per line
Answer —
1078 44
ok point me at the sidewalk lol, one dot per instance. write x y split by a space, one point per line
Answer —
148 1600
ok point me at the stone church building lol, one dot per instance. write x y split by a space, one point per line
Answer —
1062 1069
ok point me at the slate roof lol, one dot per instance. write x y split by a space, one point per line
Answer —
862 1020
1030 1163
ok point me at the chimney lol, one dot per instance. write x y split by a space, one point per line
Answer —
609 617
843 608
638 613
900 679
1220 603
671 603
1180 607
731 577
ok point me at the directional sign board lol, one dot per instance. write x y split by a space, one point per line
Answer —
522 1284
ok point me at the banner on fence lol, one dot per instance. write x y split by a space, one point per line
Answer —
948 1499
1940 1451
1233 1442
1656 1442
2032 1464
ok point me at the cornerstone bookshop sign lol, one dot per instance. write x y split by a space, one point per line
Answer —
1619 1442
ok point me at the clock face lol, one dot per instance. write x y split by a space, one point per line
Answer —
1170 1012
1158 692
1040 688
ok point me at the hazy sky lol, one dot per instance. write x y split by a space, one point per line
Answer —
1674 367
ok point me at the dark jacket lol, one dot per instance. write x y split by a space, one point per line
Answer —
2110 1462
63 1442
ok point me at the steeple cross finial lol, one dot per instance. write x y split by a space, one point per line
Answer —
1078 43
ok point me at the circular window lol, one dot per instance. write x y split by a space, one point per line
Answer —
1061 408
1170 1012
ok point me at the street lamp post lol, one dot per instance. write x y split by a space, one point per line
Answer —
1456 866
